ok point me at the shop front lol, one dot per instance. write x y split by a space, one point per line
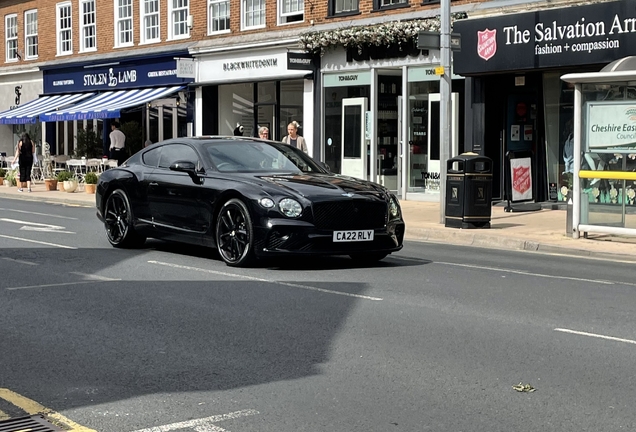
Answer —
239 91
15 90
516 102
381 118
144 94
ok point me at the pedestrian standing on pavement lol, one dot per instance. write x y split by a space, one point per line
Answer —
117 144
24 155
263 132
293 139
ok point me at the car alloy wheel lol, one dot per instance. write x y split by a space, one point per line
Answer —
118 221
234 235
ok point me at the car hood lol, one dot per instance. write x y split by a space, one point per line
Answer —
318 186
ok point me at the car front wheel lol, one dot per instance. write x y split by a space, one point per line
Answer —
234 234
118 222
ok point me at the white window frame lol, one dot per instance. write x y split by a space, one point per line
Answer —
244 12
282 15
212 18
11 37
119 20
335 6
172 12
142 21
30 36
86 27
59 29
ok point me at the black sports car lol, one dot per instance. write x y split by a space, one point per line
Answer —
249 198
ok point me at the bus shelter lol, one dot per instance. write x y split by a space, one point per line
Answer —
604 149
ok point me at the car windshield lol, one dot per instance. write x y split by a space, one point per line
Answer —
248 156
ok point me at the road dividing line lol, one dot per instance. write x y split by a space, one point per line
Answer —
202 424
20 261
94 277
32 407
39 214
57 284
38 242
4 416
525 273
612 338
289 284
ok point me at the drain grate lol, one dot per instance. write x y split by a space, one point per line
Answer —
34 423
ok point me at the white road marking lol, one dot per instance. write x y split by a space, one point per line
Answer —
45 229
95 277
38 242
39 214
199 424
595 335
56 284
289 284
21 222
20 261
35 226
525 273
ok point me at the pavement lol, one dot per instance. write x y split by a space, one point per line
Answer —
537 231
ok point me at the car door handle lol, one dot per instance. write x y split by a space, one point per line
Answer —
153 184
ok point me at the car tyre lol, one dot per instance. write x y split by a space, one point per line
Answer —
369 257
118 222
235 234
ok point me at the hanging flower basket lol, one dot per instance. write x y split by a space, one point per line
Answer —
394 33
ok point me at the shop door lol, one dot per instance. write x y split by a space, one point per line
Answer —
434 164
266 116
354 146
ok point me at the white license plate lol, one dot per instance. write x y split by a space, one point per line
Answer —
353 236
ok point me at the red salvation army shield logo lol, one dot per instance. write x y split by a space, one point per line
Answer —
521 179
486 43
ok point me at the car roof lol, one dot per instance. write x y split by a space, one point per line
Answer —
214 138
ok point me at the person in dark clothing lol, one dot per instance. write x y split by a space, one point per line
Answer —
24 156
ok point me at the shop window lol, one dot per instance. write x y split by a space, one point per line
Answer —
31 34
11 37
218 16
343 7
88 27
253 13
150 21
236 108
64 29
179 12
123 23
389 4
291 11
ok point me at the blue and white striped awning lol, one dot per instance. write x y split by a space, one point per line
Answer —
109 104
29 112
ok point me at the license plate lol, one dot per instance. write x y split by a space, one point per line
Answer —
353 236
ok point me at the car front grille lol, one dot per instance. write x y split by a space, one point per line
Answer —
350 214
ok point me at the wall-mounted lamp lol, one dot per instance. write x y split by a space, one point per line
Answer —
189 21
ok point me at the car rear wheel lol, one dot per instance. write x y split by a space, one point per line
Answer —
118 221
234 234
368 258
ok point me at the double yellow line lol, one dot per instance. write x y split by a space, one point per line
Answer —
32 407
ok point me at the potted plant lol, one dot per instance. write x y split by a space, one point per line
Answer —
50 183
10 178
68 182
3 172
90 182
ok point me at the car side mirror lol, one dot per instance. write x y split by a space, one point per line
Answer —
325 166
188 168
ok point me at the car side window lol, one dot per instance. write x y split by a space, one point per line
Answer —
172 153
151 158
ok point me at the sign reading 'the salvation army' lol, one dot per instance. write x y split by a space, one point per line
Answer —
575 35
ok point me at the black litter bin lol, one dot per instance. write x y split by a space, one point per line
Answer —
468 191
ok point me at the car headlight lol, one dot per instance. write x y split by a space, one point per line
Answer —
266 202
394 208
290 207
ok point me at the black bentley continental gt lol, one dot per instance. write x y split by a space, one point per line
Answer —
248 198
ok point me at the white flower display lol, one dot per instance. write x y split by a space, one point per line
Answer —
564 192
613 192
596 192
394 32
631 194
